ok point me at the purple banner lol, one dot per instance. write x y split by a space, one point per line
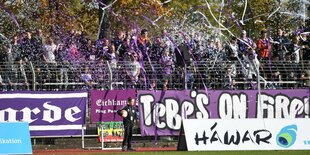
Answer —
48 113
105 103
161 112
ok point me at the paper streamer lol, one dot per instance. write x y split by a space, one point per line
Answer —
244 10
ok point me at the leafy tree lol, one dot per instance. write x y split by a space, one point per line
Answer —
52 16
57 17
131 14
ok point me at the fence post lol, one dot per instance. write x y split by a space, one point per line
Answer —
110 75
185 76
33 76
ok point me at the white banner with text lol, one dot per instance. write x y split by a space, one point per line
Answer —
247 134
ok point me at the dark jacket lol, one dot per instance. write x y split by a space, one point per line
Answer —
131 114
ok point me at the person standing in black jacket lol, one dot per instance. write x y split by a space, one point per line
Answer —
129 114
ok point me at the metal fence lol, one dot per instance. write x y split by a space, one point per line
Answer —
199 75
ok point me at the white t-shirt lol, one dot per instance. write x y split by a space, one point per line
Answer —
133 68
49 54
234 49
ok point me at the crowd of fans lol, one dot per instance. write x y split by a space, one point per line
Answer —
158 62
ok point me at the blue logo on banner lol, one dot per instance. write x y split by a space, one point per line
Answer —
15 138
287 136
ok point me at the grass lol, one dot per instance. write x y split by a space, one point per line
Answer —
294 152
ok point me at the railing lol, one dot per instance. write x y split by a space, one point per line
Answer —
199 75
